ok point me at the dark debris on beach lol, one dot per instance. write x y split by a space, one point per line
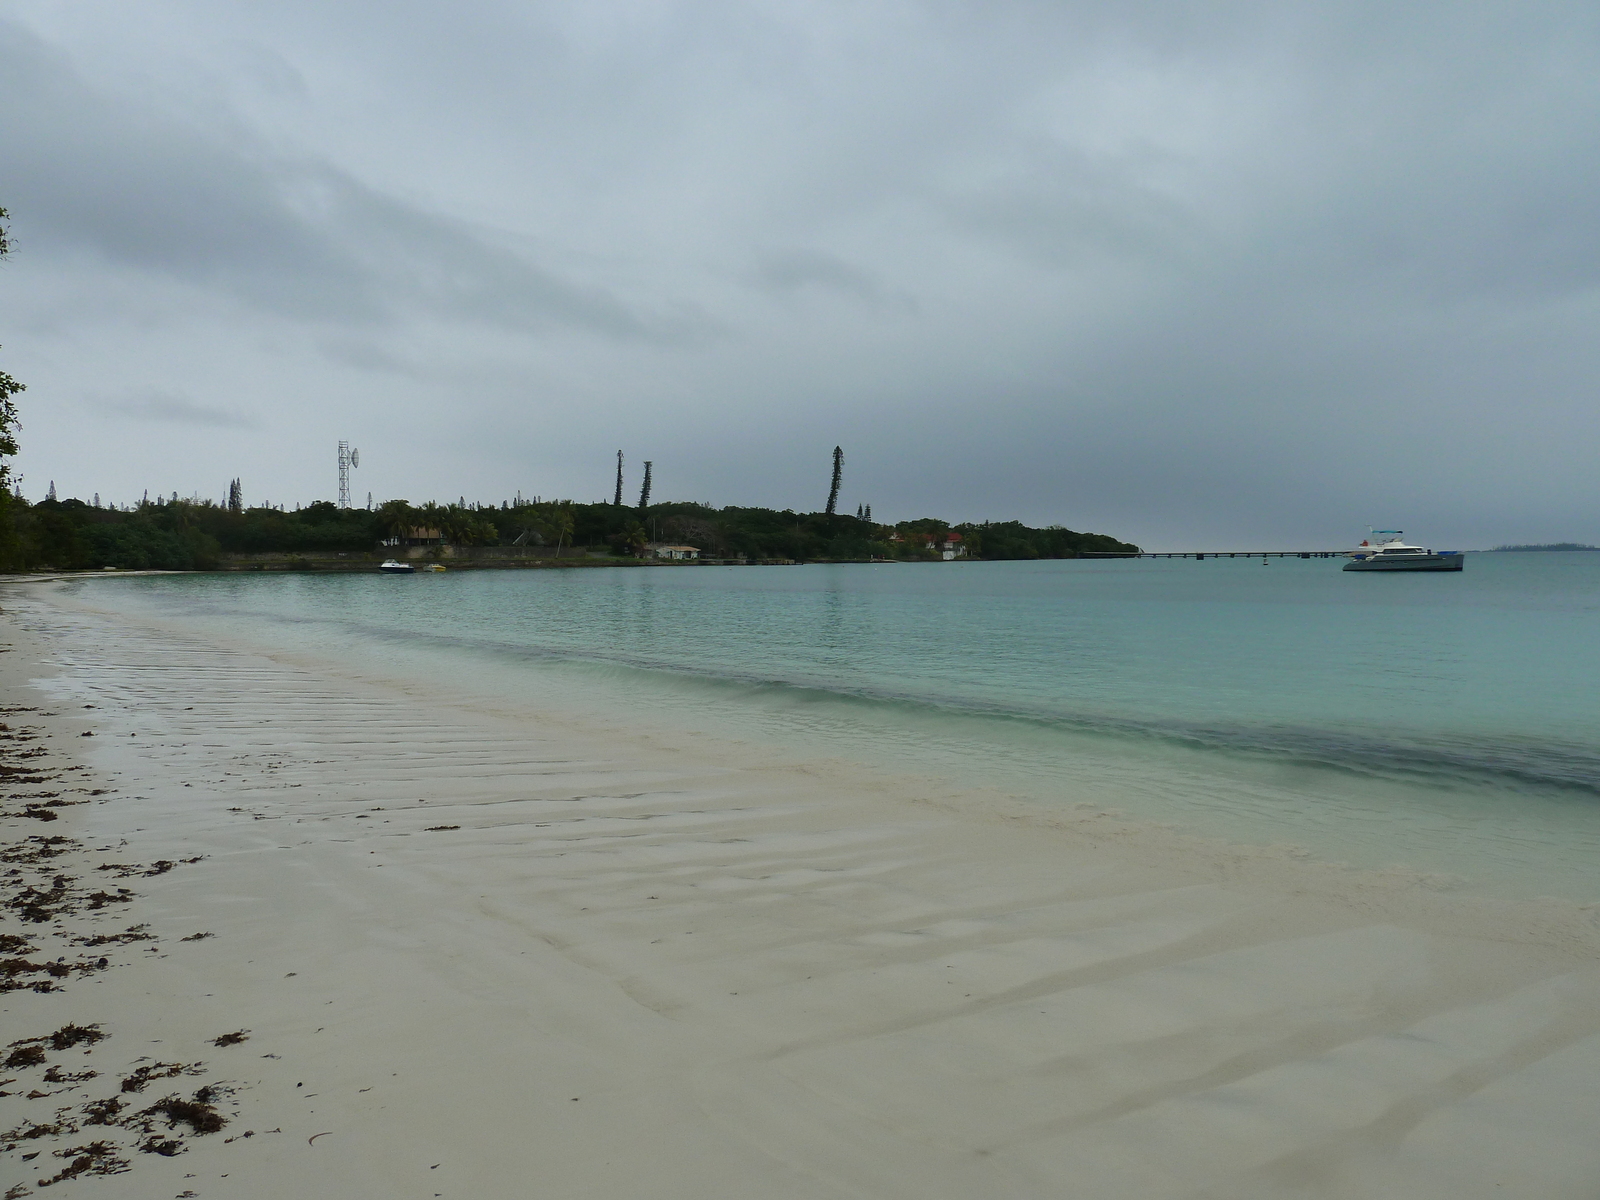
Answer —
53 902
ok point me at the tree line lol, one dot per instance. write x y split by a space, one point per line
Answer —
175 534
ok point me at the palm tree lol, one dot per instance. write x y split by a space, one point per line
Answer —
395 517
559 522
432 516
635 537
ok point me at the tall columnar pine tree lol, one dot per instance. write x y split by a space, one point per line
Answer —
9 388
618 500
236 497
9 425
644 492
838 478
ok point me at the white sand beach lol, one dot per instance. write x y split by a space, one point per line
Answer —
483 953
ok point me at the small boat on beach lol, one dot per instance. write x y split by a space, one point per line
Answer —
392 567
1383 550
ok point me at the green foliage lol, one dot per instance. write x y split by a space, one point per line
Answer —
69 534
9 424
926 538
194 535
1012 539
12 555
11 548
174 535
764 533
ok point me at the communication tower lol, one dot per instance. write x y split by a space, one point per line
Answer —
347 458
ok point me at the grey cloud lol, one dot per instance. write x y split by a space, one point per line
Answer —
363 353
1059 205
174 409
1181 269
790 272
795 269
291 236
267 70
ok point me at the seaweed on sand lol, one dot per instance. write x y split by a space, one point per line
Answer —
56 1075
36 848
15 973
199 1114
96 1158
70 1035
103 1112
30 1055
134 933
140 1079
29 1052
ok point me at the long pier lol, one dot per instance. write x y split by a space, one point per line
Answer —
1222 554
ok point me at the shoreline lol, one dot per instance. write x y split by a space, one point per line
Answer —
90 1104
593 968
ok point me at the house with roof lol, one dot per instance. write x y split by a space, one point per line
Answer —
673 552
948 545
415 535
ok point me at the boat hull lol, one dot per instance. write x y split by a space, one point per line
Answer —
1418 562
394 568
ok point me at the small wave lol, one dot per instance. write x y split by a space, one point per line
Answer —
1434 758
1442 759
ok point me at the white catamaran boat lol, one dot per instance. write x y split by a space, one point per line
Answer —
1383 550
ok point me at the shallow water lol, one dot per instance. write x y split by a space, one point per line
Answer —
1447 722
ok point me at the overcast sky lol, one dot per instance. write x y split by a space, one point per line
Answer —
1194 274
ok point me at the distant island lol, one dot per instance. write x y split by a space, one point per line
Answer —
175 534
1551 546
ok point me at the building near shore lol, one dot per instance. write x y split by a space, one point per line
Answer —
678 553
415 535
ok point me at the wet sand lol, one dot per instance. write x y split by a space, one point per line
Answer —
483 953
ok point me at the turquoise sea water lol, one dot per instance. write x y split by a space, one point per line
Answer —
1447 722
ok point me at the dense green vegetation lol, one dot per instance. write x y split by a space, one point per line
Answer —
177 534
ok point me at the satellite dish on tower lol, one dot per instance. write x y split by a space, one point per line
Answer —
347 458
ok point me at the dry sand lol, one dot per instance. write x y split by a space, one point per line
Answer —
492 955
